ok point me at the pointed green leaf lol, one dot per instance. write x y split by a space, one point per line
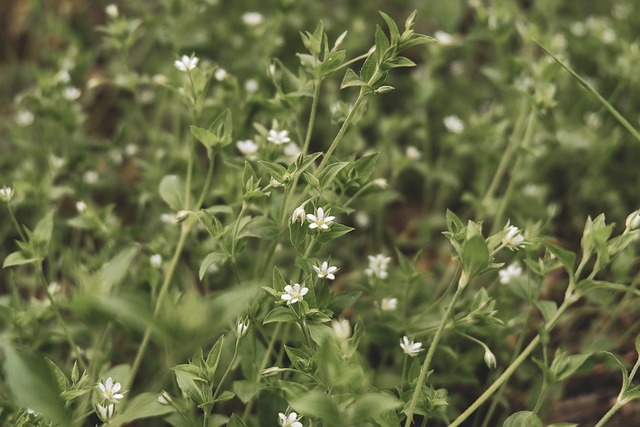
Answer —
215 257
172 191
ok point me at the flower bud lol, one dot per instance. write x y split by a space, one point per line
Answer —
6 194
489 359
241 328
633 220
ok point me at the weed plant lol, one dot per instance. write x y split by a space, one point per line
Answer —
292 214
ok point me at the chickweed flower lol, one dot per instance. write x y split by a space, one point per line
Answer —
513 239
251 86
292 151
298 214
252 18
454 124
81 207
105 412
275 183
443 37
324 270
112 11
164 398
342 328
289 421
6 194
241 328
220 74
633 220
319 220
409 347
511 272
389 304
24 118
71 93
247 147
186 63
278 137
490 359
413 153
271 371
381 183
110 390
378 266
155 260
294 293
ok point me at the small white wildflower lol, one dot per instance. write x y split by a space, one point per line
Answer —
105 412
167 218
289 421
454 124
131 150
608 36
63 76
271 69
443 37
155 260
57 162
110 390
117 157
278 137
413 153
275 183
319 220
24 118
389 304
71 93
81 207
324 270
378 266
111 10
271 371
341 328
578 29
362 219
91 177
513 239
490 359
513 271
409 347
523 83
160 79
6 194
381 183
251 86
298 214
186 63
241 328
252 18
164 398
247 147
213 269
294 293
633 220
292 151
220 74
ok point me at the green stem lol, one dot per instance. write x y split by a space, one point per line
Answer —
432 349
312 115
16 224
224 376
605 418
207 182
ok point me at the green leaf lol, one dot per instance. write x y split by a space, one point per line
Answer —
565 256
144 405
236 421
115 270
245 390
523 419
303 162
260 227
398 62
34 386
344 300
186 379
351 79
215 257
335 231
382 44
213 358
474 254
297 235
365 165
319 332
172 191
18 258
280 314
547 308
371 405
208 139
394 33
278 280
563 366
42 235
318 405
276 170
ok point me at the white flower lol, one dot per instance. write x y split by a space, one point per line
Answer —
513 239
325 271
57 162
362 219
164 398
81 207
247 147
251 86
409 347
271 371
289 421
6 194
24 118
380 183
131 150
220 74
608 36
91 177
292 151
278 137
111 10
389 304
578 29
443 37
413 153
489 359
63 76
319 220
513 271
342 328
110 390
633 220
453 124
168 218
294 293
105 412
186 63
378 266
275 183
252 18
155 260
241 328
71 93
298 214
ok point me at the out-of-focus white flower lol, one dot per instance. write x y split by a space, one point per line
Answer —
81 207
513 271
608 36
91 177
63 76
220 74
251 86
413 153
409 347
362 219
112 11
241 328
71 93
633 220
252 18
131 150
186 63
164 398
289 421
298 214
168 218
278 137
213 268
342 328
24 118
324 270
378 266
6 194
105 412
57 162
381 183
513 239
273 370
578 29
247 147
454 124
389 304
443 37
294 293
155 260
319 220
292 151
111 390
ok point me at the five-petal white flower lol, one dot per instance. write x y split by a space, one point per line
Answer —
378 266
278 137
319 220
511 272
186 63
110 390
247 147
389 304
454 124
324 270
513 239
409 347
289 421
294 293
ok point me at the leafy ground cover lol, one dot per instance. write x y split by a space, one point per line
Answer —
299 213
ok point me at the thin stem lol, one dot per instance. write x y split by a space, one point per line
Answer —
432 349
351 61
207 182
605 418
312 115
16 224
224 376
